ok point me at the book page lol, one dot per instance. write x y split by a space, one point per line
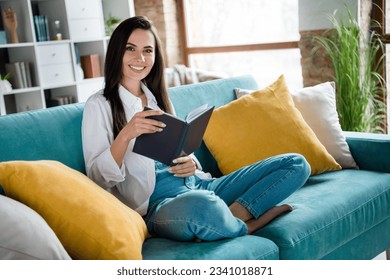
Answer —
196 112
195 132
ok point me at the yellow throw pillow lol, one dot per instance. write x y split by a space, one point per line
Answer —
260 125
90 222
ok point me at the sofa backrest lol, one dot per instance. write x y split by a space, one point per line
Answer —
55 133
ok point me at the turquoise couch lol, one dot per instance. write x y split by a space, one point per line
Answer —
338 215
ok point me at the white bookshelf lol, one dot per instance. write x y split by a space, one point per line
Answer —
53 64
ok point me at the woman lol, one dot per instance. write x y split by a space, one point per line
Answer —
178 202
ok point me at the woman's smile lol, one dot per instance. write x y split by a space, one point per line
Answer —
137 69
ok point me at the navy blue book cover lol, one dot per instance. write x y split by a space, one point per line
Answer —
178 138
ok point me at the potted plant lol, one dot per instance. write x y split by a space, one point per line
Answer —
110 24
357 62
5 85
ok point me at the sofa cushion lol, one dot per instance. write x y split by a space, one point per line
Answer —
89 221
317 104
370 150
247 247
25 235
331 210
260 125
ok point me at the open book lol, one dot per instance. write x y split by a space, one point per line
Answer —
178 138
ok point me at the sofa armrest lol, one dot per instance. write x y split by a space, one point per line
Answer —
371 151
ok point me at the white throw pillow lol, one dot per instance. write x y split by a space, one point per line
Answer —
317 104
25 235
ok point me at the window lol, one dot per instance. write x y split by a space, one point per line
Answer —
236 37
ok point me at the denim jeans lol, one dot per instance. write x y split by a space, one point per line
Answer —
188 208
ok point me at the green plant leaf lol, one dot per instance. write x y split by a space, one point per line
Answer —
357 65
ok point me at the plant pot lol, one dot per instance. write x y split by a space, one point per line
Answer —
5 86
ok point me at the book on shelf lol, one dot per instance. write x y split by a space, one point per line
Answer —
59 100
20 75
41 28
22 67
28 74
15 75
179 137
91 65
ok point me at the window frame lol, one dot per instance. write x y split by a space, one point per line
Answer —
378 14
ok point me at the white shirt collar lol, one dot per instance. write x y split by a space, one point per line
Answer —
128 98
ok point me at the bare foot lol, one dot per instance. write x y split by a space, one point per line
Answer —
268 216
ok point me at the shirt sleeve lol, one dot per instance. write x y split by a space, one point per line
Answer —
97 137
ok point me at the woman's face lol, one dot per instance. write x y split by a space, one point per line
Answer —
139 56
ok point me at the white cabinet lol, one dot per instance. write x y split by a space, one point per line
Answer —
85 19
85 29
54 65
54 54
85 9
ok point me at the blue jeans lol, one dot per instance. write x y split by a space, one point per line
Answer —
188 208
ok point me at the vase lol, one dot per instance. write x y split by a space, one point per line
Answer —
79 72
5 86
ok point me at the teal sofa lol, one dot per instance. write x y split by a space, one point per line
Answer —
338 215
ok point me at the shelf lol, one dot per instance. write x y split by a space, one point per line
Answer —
53 42
54 65
22 90
19 45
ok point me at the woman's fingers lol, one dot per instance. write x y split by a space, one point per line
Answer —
184 167
143 124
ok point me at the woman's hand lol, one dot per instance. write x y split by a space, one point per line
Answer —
184 167
140 124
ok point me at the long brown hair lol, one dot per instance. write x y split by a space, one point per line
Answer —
155 81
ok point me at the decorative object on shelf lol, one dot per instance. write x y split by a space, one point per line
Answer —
11 24
357 61
5 85
110 24
91 65
3 37
79 72
79 69
56 30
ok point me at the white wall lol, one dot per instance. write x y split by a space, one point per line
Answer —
313 14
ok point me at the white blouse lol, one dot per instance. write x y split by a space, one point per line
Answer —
132 183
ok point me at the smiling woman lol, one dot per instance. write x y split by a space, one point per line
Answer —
165 194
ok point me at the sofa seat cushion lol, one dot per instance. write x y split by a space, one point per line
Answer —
247 247
329 211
